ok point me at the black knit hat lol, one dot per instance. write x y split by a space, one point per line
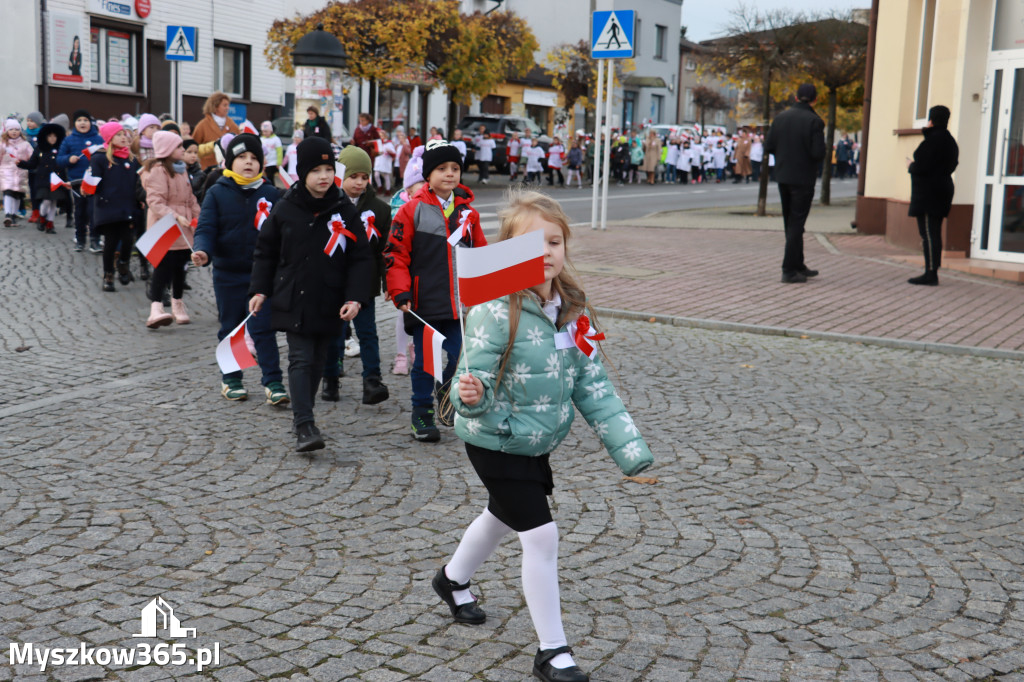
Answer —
312 152
80 113
438 152
239 144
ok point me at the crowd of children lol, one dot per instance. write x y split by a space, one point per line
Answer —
310 261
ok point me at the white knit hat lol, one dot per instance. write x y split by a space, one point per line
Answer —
12 124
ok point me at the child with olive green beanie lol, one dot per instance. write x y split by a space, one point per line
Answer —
375 221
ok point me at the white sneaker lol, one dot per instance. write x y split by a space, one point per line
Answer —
351 348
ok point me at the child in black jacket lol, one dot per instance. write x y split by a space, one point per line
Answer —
44 162
313 260
116 202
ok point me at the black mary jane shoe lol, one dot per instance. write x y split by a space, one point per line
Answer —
462 613
543 669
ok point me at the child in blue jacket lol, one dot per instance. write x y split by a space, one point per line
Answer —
232 214
73 156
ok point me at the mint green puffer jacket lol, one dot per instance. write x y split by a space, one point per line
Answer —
532 411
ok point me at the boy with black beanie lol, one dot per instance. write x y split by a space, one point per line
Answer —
313 261
375 221
75 151
420 260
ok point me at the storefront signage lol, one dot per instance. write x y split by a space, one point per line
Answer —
120 9
544 98
69 60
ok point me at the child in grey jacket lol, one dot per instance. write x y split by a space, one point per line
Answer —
529 358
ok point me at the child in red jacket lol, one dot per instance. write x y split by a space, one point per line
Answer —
421 274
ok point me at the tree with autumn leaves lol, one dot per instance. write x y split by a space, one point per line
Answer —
769 53
470 54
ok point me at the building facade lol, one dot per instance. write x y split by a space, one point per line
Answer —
969 56
646 95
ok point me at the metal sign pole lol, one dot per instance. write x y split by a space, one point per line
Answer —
608 141
598 159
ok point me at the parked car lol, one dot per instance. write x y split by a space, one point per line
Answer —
500 129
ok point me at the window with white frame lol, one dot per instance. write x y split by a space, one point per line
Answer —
924 70
230 64
691 64
114 62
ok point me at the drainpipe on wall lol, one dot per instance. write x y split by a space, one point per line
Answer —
868 80
46 65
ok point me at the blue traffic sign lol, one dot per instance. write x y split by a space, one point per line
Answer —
181 44
611 34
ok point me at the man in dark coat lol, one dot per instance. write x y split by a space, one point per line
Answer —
316 125
797 139
931 189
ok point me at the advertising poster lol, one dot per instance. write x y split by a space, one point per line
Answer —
70 53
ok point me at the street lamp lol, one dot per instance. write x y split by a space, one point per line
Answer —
319 60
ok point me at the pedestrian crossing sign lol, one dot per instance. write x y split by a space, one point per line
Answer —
611 34
181 44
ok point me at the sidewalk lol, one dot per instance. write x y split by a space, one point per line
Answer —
720 268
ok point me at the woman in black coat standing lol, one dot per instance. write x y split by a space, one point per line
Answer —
931 189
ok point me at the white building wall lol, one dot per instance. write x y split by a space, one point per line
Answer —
19 39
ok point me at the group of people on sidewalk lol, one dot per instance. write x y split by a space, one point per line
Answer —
796 139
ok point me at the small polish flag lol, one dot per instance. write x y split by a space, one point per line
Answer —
339 173
56 182
432 342
338 234
463 230
285 178
233 354
248 127
262 212
369 224
89 183
89 151
157 240
490 272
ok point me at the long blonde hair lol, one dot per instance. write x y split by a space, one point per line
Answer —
521 206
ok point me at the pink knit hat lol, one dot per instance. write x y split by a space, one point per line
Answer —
164 143
147 120
108 130
414 169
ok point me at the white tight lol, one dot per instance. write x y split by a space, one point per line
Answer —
11 204
48 209
539 574
402 339
568 177
386 182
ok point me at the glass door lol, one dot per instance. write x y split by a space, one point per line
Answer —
998 231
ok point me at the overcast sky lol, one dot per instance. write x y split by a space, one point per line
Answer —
706 19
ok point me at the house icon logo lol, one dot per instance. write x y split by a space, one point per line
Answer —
158 615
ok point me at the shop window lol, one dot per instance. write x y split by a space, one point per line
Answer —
657 108
924 70
393 109
114 58
628 108
231 69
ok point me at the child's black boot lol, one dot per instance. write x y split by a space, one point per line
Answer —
374 390
423 428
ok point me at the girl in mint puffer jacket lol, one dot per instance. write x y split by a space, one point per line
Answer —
529 358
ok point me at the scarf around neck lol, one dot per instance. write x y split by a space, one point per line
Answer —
122 152
243 181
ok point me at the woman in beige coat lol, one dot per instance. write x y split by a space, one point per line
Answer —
743 167
215 125
652 155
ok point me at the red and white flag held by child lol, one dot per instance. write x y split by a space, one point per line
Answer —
369 225
338 235
157 240
89 151
339 173
56 182
286 179
433 340
465 228
248 127
89 183
489 272
233 353
262 212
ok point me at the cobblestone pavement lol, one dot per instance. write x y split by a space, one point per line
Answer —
822 511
